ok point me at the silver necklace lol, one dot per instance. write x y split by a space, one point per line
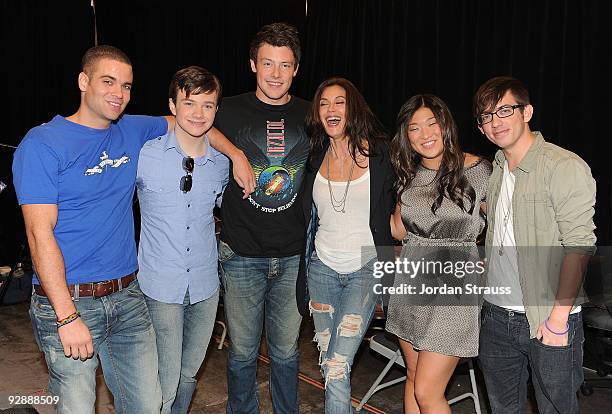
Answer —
500 251
338 205
501 242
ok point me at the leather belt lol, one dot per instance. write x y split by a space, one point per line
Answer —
95 289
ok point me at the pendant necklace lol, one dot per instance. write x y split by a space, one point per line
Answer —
501 242
338 205
500 251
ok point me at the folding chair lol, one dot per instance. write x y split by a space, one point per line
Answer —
387 346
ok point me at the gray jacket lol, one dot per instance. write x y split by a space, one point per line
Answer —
553 206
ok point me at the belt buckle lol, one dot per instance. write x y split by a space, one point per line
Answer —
105 286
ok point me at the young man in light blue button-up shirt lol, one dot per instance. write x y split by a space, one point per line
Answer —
180 180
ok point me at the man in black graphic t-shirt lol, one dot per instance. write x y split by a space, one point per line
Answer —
262 236
273 139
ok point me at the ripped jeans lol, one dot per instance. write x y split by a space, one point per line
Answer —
342 306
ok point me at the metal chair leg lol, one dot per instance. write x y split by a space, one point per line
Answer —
223 334
375 386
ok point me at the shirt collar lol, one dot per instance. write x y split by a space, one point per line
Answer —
171 143
530 159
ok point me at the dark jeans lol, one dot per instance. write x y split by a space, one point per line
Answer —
505 352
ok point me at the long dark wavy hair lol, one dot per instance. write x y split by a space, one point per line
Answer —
450 180
362 127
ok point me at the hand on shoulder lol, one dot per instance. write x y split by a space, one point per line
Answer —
470 159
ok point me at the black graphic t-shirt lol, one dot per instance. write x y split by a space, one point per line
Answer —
269 223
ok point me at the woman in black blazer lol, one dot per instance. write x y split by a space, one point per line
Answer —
348 198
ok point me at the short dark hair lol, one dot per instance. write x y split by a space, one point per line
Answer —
493 90
96 53
277 34
194 80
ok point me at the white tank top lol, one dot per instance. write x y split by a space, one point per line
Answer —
341 236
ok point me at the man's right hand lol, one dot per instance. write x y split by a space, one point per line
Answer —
243 173
76 340
40 220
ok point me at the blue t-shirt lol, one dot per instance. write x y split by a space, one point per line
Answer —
90 174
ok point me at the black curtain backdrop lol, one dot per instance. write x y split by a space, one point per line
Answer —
391 49
394 49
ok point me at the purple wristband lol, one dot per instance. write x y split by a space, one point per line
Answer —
556 333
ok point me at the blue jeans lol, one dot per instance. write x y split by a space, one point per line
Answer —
253 284
123 338
505 352
348 302
183 332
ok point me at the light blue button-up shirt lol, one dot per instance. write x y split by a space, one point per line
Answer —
178 248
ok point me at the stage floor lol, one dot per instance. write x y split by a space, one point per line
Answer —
23 372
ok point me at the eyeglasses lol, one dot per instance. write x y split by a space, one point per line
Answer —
502 112
187 179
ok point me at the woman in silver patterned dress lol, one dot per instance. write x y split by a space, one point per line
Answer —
441 192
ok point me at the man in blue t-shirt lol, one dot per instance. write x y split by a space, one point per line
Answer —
75 179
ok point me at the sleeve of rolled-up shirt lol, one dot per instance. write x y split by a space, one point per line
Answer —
573 190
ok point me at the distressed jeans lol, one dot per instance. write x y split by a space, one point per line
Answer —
345 308
506 351
124 341
258 288
183 332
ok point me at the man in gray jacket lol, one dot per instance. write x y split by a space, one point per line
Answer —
540 236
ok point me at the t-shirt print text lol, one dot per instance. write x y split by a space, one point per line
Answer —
105 161
275 138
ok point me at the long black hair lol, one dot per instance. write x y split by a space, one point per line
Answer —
362 129
450 180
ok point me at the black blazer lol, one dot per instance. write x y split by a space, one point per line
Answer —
382 205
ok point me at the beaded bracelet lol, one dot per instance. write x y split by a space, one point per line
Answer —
70 318
553 332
